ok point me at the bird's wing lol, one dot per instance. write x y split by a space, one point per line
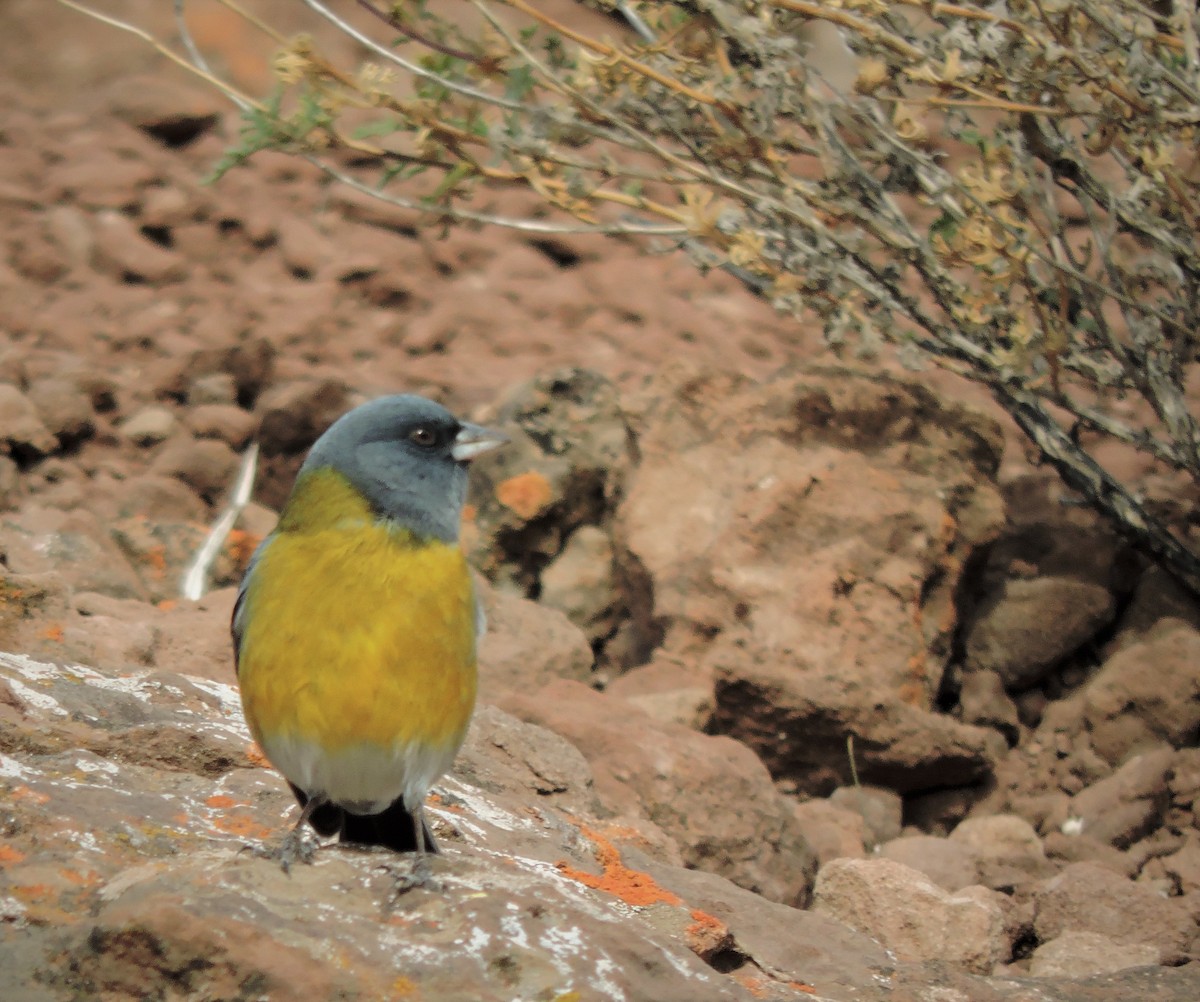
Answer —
237 627
480 617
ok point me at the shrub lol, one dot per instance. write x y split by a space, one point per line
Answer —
1008 191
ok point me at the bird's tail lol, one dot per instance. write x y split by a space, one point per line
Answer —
395 828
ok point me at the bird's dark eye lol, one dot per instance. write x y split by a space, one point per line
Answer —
424 436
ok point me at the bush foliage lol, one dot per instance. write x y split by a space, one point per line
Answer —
1006 190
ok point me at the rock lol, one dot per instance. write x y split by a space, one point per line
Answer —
117 632
527 646
579 582
1048 537
1129 804
1082 848
1081 954
193 636
1184 782
74 544
564 470
911 916
1156 597
32 610
984 703
804 609
295 414
881 811
797 718
126 253
64 407
36 256
23 434
1183 866
503 753
1086 897
669 692
158 498
214 388
1146 693
10 484
105 179
711 794
1007 849
225 422
205 465
304 248
1028 627
143 785
172 111
833 832
165 208
292 416
251 363
951 865
150 425
805 948
70 230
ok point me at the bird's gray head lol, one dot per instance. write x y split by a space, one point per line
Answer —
408 457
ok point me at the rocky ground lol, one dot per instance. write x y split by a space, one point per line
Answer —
726 578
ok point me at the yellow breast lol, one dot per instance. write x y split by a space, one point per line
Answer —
354 632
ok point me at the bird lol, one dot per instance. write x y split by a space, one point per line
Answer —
356 625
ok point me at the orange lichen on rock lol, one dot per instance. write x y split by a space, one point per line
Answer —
53 632
241 546
256 756
632 886
156 559
405 988
241 825
80 879
755 984
707 934
527 494
10 855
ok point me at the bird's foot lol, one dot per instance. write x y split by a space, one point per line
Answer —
419 875
298 846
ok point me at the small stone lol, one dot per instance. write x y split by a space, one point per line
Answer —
985 703
22 432
214 388
833 832
65 408
950 865
206 465
913 917
149 426
1129 804
226 422
881 810
68 227
1030 626
579 581
122 249
1086 897
1077 954
10 483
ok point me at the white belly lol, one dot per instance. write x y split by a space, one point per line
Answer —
363 778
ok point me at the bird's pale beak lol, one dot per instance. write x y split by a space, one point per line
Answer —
474 440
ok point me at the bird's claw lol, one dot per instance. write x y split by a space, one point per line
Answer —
419 875
296 847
